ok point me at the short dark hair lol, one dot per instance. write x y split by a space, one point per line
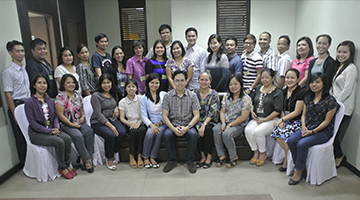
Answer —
11 44
60 53
265 32
295 71
80 47
164 56
232 38
179 72
328 38
271 71
181 46
238 77
309 42
113 86
191 29
250 36
35 42
100 36
151 77
35 78
63 79
133 81
137 43
285 37
164 26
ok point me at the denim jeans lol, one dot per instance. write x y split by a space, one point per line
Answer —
299 146
152 142
191 137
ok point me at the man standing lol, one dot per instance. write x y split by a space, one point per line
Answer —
165 35
16 86
180 113
101 60
268 55
38 64
195 53
285 60
235 63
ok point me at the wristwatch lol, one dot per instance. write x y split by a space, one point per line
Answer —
189 126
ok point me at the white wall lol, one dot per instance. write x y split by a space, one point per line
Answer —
102 17
200 14
8 154
338 19
276 17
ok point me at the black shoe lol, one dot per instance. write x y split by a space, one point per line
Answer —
82 166
343 161
169 166
282 169
191 167
292 182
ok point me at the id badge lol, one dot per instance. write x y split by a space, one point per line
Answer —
51 77
163 77
143 78
260 110
122 84
246 73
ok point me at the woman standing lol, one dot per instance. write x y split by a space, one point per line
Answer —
343 89
135 66
87 76
117 69
268 104
130 115
178 62
66 66
304 54
157 64
324 63
317 123
291 113
217 58
68 106
209 115
151 113
104 119
44 127
234 115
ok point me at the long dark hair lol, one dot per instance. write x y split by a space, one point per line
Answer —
238 77
221 48
60 53
35 78
311 48
113 60
164 56
351 46
151 77
113 86
325 90
181 47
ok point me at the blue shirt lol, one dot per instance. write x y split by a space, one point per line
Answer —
149 114
16 81
235 64
102 62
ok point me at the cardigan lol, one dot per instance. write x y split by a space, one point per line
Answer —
329 70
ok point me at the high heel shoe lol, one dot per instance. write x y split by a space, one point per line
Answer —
343 161
82 166
90 170
112 167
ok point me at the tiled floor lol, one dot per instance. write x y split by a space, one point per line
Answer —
241 180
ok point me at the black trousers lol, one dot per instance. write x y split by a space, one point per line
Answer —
340 135
136 140
206 143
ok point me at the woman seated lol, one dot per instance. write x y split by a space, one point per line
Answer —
68 106
104 119
87 76
218 63
268 104
151 114
157 64
317 123
209 115
234 115
291 113
130 115
44 127
178 62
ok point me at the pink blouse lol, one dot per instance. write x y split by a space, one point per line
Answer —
302 66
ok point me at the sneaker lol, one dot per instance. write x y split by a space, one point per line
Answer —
191 167
169 166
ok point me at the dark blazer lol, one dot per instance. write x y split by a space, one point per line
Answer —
329 69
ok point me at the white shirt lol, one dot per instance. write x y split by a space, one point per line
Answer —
284 64
198 55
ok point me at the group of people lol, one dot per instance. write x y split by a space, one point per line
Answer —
173 92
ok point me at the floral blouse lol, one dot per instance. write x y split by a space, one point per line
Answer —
183 66
316 113
233 109
72 110
121 80
210 107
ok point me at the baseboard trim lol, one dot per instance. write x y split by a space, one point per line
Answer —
10 172
352 169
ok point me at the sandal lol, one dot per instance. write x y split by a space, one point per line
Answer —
154 164
199 164
232 163
207 165
219 163
132 164
253 161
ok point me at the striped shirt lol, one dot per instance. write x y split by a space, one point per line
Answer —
251 63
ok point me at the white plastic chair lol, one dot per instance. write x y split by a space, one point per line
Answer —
99 146
40 161
320 163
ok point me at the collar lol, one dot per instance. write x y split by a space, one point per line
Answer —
128 101
16 66
285 53
173 92
233 56
268 51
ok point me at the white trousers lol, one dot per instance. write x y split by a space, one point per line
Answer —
256 134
